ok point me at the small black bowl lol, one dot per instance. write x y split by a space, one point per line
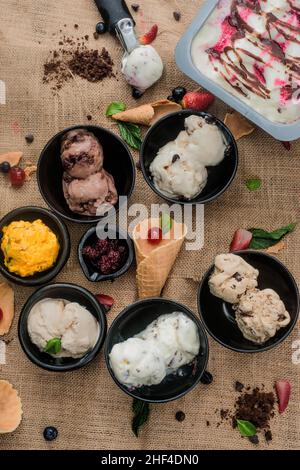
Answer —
167 129
30 214
133 320
219 318
72 293
118 162
91 237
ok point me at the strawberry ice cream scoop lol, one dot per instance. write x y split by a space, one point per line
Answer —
142 67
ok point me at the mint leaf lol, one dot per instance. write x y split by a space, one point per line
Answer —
115 107
253 184
262 239
53 346
246 428
131 133
166 223
141 411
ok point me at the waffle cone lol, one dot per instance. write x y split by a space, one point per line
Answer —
147 114
154 268
10 408
7 307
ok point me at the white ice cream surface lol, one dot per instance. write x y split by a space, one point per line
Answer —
142 67
258 60
179 169
77 328
162 348
232 277
260 314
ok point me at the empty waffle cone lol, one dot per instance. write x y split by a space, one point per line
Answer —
154 263
10 408
147 114
7 307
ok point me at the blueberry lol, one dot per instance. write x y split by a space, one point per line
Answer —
207 378
136 93
101 27
5 167
50 433
178 93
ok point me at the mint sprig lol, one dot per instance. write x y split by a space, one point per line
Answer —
115 107
53 346
246 428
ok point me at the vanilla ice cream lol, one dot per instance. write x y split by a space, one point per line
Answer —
179 169
232 277
252 49
73 324
260 314
142 67
162 348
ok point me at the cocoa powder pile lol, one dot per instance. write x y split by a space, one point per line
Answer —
73 57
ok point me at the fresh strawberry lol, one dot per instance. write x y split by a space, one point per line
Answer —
149 37
1 314
106 301
283 390
241 240
287 145
197 100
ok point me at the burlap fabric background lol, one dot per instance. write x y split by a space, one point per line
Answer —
86 406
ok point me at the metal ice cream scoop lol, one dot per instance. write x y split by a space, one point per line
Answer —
141 65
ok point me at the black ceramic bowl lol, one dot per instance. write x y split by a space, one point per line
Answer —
219 318
117 161
167 129
89 238
30 214
71 293
133 320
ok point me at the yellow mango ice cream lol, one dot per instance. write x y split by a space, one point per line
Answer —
29 247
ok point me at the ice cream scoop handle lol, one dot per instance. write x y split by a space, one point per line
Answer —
113 11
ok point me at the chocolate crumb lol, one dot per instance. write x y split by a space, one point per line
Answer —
239 386
89 117
268 435
135 7
207 423
254 439
86 37
96 35
177 15
180 416
138 165
29 138
76 26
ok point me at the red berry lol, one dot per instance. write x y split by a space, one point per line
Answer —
155 235
241 240
149 37
197 100
283 390
1 314
17 176
106 300
287 145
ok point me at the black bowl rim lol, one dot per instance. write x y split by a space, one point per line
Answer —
289 328
106 277
123 313
192 201
59 265
78 363
74 219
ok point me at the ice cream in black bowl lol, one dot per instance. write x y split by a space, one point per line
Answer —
105 254
34 246
62 327
248 301
189 157
83 171
156 350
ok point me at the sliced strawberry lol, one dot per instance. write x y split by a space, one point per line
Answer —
283 390
241 240
197 100
105 300
149 37
287 145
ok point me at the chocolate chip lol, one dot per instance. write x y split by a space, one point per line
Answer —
239 386
180 416
238 277
175 158
177 15
135 7
29 138
254 439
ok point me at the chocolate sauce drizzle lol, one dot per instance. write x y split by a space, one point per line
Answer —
230 57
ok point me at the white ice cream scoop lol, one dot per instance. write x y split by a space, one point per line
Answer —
141 65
